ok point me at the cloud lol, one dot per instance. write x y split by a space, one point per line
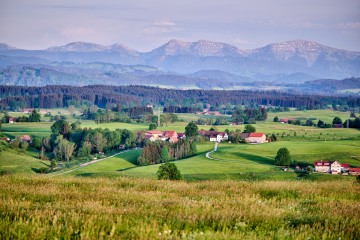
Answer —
77 32
161 26
348 25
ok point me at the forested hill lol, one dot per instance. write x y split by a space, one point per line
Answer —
331 84
99 95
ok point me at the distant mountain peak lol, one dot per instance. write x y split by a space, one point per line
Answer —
78 47
309 50
90 47
199 48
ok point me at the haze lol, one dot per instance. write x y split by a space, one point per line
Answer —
144 25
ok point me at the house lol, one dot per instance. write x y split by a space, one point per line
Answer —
5 139
153 135
338 125
181 135
354 171
256 138
12 120
222 136
207 112
25 138
213 137
170 136
334 167
286 120
243 136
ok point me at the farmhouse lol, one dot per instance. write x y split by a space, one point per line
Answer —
153 135
331 167
12 120
25 138
214 136
170 135
354 171
256 138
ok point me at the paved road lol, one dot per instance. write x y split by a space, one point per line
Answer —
86 164
214 150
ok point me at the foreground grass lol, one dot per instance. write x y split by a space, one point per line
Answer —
123 208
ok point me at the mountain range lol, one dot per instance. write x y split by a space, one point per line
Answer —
203 64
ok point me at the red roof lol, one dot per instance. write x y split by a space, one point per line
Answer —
25 138
256 134
202 132
354 169
345 165
170 134
214 135
154 132
321 163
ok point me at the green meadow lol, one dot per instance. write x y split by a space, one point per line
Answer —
65 207
236 194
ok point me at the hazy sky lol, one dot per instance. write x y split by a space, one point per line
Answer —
146 24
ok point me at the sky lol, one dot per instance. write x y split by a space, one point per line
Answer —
146 24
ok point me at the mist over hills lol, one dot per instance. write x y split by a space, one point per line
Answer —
201 64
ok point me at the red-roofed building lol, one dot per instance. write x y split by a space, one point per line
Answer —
170 135
256 138
12 120
322 166
153 135
25 138
354 171
331 167
181 135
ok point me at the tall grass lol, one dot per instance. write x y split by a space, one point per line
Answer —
123 208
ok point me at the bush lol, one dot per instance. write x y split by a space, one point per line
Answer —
249 128
283 157
168 171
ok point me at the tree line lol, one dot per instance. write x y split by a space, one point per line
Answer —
100 95
161 152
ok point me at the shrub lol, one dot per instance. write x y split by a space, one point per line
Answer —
282 157
169 171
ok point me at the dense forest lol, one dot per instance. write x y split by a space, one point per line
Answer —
101 96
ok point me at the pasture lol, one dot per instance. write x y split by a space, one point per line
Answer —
123 208
18 162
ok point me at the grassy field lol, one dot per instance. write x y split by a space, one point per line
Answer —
325 115
17 162
123 208
235 161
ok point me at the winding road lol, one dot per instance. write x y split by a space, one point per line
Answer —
87 164
214 150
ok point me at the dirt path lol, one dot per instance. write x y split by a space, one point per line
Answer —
87 164
214 150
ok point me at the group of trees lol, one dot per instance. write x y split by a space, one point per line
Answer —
33 117
69 140
101 96
249 115
213 121
179 109
161 152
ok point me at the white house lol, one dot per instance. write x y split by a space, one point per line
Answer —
331 167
